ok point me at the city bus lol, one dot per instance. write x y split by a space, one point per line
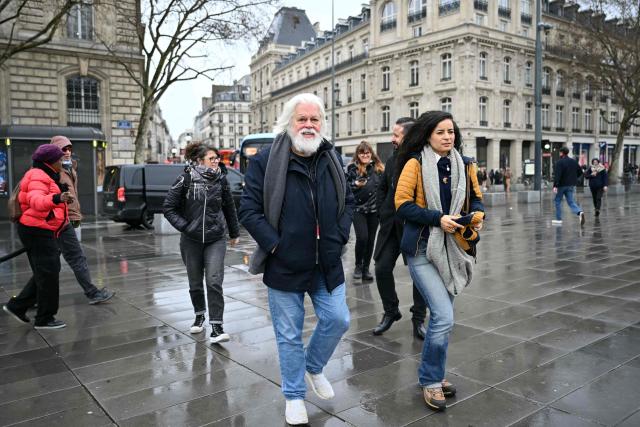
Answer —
250 146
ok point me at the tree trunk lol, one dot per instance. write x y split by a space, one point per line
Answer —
613 162
141 142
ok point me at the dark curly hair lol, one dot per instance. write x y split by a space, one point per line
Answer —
418 136
196 151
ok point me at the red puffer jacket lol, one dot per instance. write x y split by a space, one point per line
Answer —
36 200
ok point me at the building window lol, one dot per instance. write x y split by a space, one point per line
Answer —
482 110
546 81
349 123
545 117
446 66
386 117
349 90
504 9
482 66
363 119
416 31
337 125
417 10
80 21
336 94
602 123
445 104
325 96
588 125
503 25
560 83
527 115
506 113
363 87
575 119
559 117
388 21
413 73
414 110
446 7
480 19
386 78
528 74
506 70
615 126
83 102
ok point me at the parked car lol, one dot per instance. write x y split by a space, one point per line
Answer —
134 193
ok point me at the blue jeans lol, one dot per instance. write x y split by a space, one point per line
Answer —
434 351
568 192
287 315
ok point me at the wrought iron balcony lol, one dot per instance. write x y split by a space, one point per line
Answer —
388 25
560 92
504 12
546 91
482 5
417 16
507 124
484 123
449 7
526 18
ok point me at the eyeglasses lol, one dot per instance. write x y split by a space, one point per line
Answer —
67 148
213 159
365 153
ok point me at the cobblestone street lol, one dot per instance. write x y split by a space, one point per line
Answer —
548 334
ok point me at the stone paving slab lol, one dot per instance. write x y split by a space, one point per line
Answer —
547 334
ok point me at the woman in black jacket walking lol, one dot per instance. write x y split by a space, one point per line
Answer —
200 206
364 175
598 182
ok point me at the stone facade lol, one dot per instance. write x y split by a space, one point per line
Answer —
74 80
472 58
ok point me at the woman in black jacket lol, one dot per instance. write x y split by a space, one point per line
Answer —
200 206
364 175
598 182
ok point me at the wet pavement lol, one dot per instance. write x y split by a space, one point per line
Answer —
547 334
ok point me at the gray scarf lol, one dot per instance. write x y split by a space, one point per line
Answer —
453 264
275 181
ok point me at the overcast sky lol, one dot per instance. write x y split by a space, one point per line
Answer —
181 103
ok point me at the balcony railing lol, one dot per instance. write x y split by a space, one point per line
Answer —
482 5
485 78
348 100
546 127
484 123
559 129
588 131
363 96
504 12
525 18
449 7
507 124
445 79
388 25
417 16
363 131
529 126
546 91
560 92
588 96
384 129
576 130
603 98
577 95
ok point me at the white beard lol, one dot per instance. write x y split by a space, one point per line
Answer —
305 147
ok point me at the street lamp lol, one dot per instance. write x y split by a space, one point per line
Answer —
540 26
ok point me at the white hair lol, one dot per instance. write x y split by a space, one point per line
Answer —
285 120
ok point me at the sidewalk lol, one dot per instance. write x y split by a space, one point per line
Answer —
547 334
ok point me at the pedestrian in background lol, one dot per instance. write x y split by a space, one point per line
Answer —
507 180
364 174
432 194
69 244
298 207
492 176
43 200
387 248
598 182
566 171
201 207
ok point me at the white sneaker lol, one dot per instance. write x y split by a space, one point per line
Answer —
556 222
295 412
320 385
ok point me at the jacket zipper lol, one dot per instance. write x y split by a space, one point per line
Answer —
204 212
315 214
418 240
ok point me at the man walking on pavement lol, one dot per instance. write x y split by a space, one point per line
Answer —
566 174
388 245
298 208
68 240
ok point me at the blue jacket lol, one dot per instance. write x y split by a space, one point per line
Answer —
599 180
300 255
566 172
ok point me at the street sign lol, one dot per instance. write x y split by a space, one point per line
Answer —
124 124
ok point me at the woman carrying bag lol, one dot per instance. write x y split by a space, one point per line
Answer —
201 207
364 175
439 198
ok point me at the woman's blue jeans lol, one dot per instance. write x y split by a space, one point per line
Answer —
434 351
287 315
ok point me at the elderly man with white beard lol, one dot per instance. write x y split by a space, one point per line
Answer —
298 208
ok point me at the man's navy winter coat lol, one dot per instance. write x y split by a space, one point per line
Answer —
566 172
310 206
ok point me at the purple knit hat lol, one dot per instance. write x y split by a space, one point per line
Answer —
47 153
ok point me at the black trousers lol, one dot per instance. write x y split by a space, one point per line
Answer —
597 193
365 225
43 288
385 262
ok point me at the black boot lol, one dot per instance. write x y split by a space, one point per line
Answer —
357 272
366 276
419 330
386 322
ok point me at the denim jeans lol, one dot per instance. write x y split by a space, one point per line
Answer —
287 315
568 192
440 303
73 254
205 260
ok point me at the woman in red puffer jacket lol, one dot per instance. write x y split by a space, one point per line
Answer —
43 200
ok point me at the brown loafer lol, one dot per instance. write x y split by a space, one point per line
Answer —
434 398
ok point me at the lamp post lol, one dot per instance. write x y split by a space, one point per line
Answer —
540 26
